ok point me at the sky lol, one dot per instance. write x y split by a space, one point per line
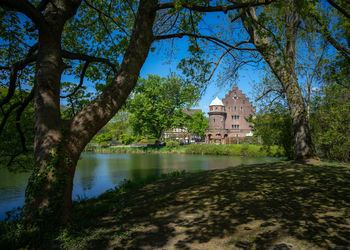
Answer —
161 63
157 64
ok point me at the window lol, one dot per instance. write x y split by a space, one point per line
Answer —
235 108
235 126
237 117
214 120
241 108
229 109
216 108
232 117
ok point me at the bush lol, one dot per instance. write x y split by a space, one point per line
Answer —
103 138
126 139
172 144
235 150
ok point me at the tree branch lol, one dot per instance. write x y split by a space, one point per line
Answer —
221 8
86 65
325 32
220 58
25 103
340 9
88 58
27 9
268 91
17 66
109 17
209 38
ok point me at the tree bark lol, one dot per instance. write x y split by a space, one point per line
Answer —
50 185
283 66
58 143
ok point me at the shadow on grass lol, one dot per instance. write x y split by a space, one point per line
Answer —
279 206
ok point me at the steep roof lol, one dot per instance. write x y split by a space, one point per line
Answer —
216 102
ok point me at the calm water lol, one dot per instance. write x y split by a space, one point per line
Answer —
98 172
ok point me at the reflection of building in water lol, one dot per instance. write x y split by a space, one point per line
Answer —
181 134
227 118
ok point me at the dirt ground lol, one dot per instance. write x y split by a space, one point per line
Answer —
283 205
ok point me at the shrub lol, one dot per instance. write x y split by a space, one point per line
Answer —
127 139
172 144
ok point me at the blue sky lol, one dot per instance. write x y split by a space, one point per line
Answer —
161 62
158 63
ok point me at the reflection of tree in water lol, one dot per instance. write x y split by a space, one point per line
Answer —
118 168
86 171
143 166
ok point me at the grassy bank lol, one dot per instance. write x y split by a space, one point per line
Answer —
204 149
283 205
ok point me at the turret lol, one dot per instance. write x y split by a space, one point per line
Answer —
217 114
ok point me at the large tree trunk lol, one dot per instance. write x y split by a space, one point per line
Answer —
50 186
282 65
58 143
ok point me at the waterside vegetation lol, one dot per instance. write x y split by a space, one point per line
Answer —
250 150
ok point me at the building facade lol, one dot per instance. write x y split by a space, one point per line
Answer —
227 118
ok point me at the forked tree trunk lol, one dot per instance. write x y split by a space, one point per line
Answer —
50 186
58 143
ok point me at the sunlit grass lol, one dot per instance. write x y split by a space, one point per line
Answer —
203 149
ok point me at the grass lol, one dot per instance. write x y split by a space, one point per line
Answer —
203 149
261 206
234 150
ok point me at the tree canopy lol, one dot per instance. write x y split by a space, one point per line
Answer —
157 104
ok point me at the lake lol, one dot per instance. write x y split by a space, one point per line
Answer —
97 173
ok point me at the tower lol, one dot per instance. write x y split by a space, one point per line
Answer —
217 115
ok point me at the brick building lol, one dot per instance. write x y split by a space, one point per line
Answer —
227 118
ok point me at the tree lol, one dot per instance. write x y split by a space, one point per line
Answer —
330 117
58 142
273 126
197 123
80 39
279 52
117 126
158 102
16 148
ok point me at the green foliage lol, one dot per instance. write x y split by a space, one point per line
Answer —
127 139
158 102
104 137
331 123
275 128
234 150
172 144
117 126
10 138
197 123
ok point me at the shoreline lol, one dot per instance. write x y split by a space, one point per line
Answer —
244 150
258 206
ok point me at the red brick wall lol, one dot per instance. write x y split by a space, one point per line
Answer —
238 107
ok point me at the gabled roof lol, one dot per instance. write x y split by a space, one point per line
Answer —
216 102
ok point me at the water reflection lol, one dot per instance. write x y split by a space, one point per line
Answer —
97 173
85 176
